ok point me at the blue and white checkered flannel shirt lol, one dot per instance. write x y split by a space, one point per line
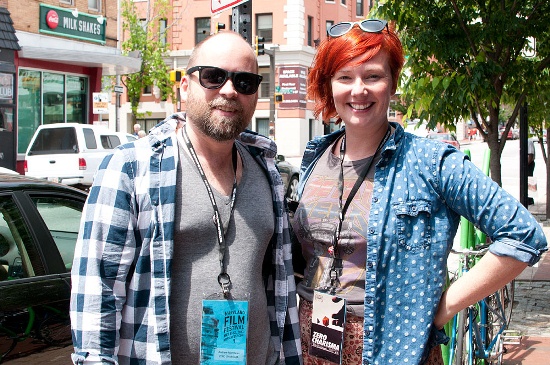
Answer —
120 309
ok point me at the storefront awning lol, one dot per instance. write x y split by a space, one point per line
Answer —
110 59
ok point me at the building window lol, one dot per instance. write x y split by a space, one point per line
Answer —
331 127
329 23
162 31
146 124
359 9
202 29
310 31
148 90
311 128
143 23
391 111
264 27
343 2
48 97
67 2
264 86
94 5
262 126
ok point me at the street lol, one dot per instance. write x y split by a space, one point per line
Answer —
510 166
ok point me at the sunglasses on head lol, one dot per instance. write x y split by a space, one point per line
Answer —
211 77
367 25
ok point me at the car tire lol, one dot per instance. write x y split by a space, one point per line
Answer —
292 191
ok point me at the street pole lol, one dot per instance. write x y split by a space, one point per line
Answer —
241 20
523 136
271 54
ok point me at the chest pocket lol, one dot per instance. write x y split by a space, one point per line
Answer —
413 220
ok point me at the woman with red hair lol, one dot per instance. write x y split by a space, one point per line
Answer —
378 212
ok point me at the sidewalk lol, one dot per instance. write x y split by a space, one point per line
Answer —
531 313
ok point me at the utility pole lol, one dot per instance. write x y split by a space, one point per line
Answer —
241 20
271 53
523 136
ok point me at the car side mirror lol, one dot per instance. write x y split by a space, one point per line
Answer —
280 158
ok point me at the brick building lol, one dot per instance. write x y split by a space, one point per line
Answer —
291 30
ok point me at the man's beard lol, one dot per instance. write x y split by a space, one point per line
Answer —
219 128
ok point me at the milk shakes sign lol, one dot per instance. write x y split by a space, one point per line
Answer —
63 22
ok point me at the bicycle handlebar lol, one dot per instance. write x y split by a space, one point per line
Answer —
467 252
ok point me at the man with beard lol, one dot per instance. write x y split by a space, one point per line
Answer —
193 212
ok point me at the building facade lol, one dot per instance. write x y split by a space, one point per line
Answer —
291 30
65 47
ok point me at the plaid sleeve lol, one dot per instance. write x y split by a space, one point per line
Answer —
104 253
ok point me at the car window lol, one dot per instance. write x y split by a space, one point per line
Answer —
89 138
109 141
62 216
55 141
15 256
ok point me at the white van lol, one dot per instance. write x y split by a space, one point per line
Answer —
70 153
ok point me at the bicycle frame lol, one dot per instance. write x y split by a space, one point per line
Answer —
477 331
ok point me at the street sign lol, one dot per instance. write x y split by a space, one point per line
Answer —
119 89
100 103
218 6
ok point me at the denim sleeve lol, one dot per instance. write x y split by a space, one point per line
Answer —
512 230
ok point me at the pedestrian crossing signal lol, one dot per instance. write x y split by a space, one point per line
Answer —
278 98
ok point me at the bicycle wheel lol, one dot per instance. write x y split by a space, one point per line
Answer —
500 314
461 351
6 346
507 298
56 330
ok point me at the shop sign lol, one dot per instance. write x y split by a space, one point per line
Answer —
292 83
71 23
6 86
100 103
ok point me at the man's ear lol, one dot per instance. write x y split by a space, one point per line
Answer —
184 85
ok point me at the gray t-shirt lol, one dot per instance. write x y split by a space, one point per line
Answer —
316 219
195 264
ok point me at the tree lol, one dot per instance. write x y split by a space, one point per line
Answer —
145 37
466 59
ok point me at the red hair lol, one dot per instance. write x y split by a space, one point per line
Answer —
334 53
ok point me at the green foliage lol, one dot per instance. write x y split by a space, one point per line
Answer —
145 38
465 60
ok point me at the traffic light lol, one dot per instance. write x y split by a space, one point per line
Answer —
219 26
175 76
278 98
259 45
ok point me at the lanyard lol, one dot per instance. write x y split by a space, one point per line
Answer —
337 265
223 278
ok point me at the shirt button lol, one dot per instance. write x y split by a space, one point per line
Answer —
369 265
365 362
367 333
375 199
371 230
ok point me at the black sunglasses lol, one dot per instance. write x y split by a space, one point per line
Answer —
367 25
211 77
